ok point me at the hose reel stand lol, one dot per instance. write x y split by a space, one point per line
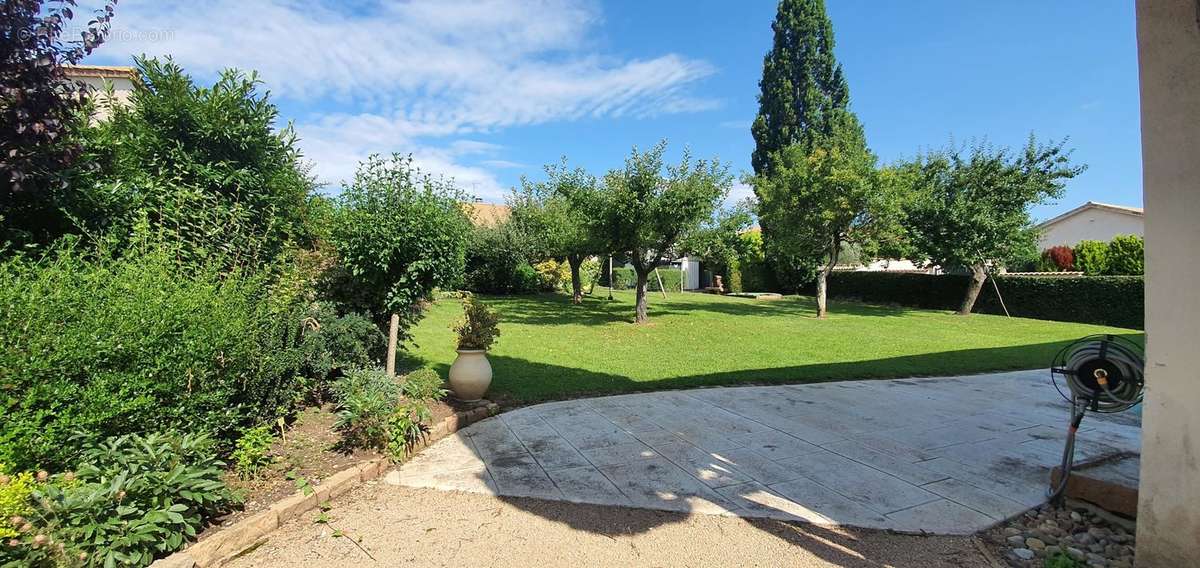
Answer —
1101 373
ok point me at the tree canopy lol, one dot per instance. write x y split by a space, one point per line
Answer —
38 104
642 212
802 86
971 206
558 227
399 234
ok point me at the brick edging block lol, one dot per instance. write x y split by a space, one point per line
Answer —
232 541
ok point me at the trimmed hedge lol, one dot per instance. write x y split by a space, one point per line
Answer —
752 276
626 279
1105 300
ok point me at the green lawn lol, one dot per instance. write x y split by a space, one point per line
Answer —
551 349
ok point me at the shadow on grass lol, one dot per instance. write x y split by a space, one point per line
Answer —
521 381
557 309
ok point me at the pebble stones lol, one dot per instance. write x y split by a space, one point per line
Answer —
1042 533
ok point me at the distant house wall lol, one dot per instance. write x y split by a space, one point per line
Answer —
1089 223
101 80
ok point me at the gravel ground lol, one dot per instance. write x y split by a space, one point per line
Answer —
423 527
1043 533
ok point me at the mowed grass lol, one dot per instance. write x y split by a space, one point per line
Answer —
551 349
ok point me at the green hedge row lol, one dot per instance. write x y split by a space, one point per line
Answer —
751 277
1105 300
626 279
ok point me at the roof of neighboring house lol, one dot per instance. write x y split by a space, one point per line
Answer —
1123 209
101 71
487 214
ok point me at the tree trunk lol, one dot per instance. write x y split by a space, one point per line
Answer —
642 280
823 279
575 261
822 285
978 277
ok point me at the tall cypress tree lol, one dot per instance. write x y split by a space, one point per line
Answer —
802 87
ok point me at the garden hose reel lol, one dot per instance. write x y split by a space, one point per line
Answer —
1101 373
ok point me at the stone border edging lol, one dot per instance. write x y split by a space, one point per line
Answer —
230 542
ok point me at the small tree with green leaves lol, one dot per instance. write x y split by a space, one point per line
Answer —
971 206
818 199
399 234
641 212
556 226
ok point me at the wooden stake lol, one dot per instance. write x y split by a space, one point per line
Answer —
393 337
660 285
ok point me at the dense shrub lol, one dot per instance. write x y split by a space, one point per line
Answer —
203 166
1091 257
330 342
107 346
1062 258
130 500
423 384
1116 301
498 262
1126 256
625 279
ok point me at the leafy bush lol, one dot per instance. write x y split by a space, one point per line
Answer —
366 400
423 384
203 166
1091 257
498 262
1103 300
1126 256
477 329
107 346
330 343
132 498
1060 257
399 235
553 275
625 279
250 453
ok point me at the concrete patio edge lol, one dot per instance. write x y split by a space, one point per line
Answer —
249 533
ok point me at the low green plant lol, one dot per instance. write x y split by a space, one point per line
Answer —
478 328
1126 256
366 400
1061 560
133 498
1091 257
251 451
423 384
406 427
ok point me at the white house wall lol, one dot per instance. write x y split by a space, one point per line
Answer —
1094 224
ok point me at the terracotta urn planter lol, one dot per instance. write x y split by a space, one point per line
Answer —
470 375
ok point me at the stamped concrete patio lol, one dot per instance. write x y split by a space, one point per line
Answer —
939 455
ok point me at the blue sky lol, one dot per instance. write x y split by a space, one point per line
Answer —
487 91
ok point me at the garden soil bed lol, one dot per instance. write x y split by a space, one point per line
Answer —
310 450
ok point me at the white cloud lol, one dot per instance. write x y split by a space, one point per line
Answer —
405 76
738 193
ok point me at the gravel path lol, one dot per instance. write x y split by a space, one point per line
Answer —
421 527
